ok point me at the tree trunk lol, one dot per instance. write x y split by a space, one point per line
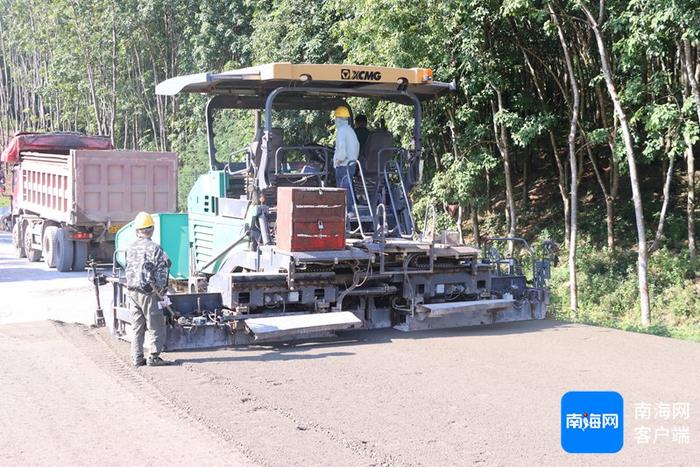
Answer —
113 110
488 191
126 132
664 206
690 208
436 159
475 223
146 103
607 195
609 221
631 162
613 169
562 182
690 158
501 134
573 162
460 211
691 75
614 179
93 96
563 189
526 176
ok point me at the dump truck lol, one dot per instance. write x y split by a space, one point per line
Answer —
273 253
70 193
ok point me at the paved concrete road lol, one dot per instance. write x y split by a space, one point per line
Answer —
32 291
478 396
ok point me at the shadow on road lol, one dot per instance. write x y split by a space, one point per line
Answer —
295 350
267 357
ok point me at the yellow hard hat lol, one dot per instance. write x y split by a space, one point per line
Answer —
143 221
342 112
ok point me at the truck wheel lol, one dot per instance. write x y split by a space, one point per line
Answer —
17 241
64 251
49 245
32 254
80 255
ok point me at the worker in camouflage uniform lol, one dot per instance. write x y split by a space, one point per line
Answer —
147 267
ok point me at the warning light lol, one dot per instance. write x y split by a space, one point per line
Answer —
81 235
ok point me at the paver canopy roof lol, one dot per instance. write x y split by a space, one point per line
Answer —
356 80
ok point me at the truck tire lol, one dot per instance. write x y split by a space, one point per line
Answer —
32 254
17 241
49 245
64 250
80 255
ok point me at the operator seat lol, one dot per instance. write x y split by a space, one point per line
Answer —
372 161
255 148
273 141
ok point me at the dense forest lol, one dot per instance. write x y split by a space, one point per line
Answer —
572 119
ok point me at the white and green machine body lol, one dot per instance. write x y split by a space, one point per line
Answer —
170 232
215 221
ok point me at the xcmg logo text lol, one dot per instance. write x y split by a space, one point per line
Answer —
361 75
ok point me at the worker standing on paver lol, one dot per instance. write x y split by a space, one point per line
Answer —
362 132
347 150
147 267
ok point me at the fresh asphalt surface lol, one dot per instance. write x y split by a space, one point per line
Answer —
475 396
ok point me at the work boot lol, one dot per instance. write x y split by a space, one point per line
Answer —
140 361
155 360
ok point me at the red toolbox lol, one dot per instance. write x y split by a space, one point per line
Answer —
310 219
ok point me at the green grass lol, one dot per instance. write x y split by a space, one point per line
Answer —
607 280
608 292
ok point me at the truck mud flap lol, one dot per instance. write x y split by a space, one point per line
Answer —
300 326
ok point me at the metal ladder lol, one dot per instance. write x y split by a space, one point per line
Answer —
399 202
363 212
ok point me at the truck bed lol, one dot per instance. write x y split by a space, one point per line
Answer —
86 187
